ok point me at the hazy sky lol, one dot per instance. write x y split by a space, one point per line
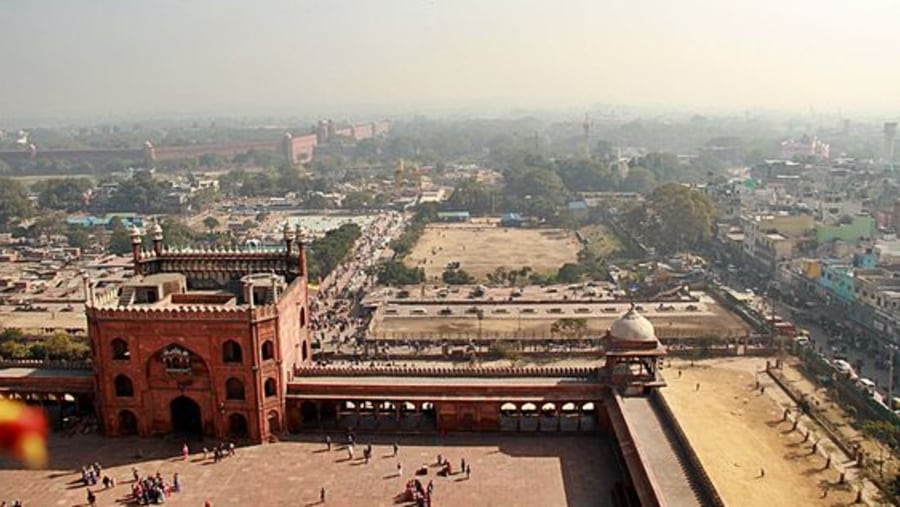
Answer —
117 57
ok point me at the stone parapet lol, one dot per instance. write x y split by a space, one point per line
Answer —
379 371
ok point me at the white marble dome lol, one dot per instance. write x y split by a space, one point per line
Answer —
632 327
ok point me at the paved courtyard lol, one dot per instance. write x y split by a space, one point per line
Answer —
516 470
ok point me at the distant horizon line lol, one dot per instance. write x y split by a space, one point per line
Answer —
466 109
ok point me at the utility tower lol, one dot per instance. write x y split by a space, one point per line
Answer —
587 126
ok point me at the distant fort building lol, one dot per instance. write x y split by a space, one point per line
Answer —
293 149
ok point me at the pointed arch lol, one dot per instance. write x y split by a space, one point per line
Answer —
231 352
234 389
124 387
120 349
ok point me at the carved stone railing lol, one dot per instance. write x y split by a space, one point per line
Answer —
501 372
45 364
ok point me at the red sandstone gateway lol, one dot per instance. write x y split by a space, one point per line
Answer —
200 342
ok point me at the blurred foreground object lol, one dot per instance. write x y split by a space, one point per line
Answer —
23 433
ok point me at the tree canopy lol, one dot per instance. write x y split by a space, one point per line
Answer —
14 203
674 218
64 194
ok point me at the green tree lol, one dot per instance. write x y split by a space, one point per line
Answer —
395 273
64 194
13 349
457 277
360 199
178 234
14 203
211 223
674 218
317 201
142 193
472 196
639 179
570 272
78 237
46 225
119 239
887 432
328 251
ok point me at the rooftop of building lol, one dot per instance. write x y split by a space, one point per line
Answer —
173 290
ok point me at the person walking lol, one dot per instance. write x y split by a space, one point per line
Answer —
396 448
468 471
184 452
328 442
322 495
91 498
399 469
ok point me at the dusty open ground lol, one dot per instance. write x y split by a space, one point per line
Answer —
574 471
480 248
736 431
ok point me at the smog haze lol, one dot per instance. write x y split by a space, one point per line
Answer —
227 57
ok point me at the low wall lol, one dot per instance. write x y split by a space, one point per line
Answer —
49 365
642 478
707 488
574 372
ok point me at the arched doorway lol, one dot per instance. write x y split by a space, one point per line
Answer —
309 413
237 426
274 423
186 416
127 423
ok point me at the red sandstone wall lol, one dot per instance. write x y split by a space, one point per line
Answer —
92 156
155 388
227 150
304 147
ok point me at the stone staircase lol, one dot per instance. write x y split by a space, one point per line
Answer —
126 297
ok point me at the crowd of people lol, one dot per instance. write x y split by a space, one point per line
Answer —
152 489
333 320
146 490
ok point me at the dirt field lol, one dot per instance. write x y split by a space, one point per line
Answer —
736 431
480 248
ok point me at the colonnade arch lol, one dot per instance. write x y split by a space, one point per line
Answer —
367 415
548 416
399 415
63 409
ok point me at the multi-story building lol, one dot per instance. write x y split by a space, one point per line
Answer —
769 239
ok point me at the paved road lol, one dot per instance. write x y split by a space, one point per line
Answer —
333 308
822 341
